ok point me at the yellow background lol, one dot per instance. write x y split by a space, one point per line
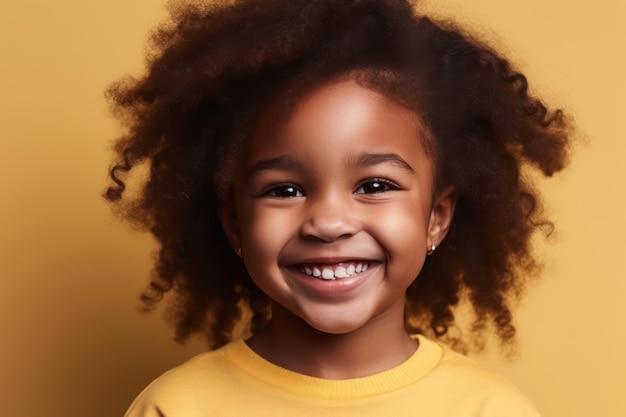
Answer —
72 343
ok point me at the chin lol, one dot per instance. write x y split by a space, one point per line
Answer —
334 325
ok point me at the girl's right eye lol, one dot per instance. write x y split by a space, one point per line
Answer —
284 191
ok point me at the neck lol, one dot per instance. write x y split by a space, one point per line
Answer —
291 343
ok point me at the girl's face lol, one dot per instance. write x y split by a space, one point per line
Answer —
333 207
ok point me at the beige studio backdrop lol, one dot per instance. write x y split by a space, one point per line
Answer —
73 343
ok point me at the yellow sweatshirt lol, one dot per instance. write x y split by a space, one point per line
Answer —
235 381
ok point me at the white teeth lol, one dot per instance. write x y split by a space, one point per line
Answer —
329 272
340 272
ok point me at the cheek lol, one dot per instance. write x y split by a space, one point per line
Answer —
402 231
265 232
404 221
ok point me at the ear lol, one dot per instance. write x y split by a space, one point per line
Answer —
441 216
228 216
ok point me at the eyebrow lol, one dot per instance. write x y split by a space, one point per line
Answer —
371 159
281 163
287 163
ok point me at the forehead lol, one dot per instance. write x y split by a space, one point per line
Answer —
336 116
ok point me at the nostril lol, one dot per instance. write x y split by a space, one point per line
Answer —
328 231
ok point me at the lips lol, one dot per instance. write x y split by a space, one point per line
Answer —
334 271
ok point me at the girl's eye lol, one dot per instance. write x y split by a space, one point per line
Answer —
284 191
376 185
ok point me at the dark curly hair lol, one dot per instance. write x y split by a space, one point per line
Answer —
212 66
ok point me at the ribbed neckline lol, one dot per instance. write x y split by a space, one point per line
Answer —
416 367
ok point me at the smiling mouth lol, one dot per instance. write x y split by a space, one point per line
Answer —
338 271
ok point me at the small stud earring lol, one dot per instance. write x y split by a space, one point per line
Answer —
239 252
431 250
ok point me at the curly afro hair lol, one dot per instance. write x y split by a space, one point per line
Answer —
213 65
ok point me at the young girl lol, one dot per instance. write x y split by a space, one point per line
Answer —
329 180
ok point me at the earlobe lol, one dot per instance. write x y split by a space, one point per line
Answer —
229 224
441 216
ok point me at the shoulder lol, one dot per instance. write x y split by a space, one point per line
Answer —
466 385
181 390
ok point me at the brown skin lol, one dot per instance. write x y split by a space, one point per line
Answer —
344 180
189 113
291 343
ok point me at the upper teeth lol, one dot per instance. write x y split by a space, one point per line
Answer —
334 271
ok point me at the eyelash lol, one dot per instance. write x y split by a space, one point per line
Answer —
385 184
276 190
291 190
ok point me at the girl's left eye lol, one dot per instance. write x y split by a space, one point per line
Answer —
376 185
284 191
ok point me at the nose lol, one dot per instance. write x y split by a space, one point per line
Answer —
329 219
